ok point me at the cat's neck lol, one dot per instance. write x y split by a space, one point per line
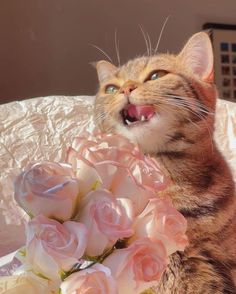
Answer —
193 167
202 185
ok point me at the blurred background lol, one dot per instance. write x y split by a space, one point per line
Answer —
46 46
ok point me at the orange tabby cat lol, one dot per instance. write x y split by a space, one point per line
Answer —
166 104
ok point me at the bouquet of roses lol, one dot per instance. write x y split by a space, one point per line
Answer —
100 222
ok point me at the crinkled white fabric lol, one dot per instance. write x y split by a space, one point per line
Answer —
34 130
41 129
225 132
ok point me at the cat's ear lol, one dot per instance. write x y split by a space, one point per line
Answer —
197 55
105 70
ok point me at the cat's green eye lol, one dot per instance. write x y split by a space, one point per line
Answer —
154 75
111 89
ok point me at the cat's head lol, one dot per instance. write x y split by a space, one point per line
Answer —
162 102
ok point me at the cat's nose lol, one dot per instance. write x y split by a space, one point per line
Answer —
128 87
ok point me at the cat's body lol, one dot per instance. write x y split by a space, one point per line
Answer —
208 263
166 103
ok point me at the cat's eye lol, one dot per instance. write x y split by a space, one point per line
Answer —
154 75
111 89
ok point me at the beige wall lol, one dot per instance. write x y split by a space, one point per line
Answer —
45 45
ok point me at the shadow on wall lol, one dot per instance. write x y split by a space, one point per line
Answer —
46 46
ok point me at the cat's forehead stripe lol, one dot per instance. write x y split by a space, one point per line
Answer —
135 67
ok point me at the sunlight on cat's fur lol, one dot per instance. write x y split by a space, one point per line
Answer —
167 93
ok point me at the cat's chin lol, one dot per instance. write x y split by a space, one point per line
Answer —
149 135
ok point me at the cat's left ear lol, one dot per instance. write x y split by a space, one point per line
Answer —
197 55
105 70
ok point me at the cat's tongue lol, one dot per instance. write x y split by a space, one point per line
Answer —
140 112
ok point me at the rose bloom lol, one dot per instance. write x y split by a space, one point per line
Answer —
52 247
99 147
48 188
148 174
86 173
107 218
95 279
116 148
111 176
139 266
161 220
27 284
121 182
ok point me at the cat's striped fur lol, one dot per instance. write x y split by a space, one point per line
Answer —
181 138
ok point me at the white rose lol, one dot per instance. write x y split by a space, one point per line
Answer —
48 188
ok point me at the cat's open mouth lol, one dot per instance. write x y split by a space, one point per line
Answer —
133 114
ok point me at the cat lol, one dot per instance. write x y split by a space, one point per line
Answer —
166 103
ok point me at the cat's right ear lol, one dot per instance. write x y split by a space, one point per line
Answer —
105 70
197 55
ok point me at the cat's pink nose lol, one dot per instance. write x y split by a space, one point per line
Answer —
128 87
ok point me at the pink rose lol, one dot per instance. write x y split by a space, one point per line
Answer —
99 147
141 172
52 247
48 188
95 279
148 174
111 176
116 148
86 173
119 180
107 219
161 220
139 266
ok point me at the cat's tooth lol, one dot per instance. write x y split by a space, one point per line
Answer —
128 122
142 118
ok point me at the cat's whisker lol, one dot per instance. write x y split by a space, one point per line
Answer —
197 103
177 103
196 125
161 33
189 105
166 108
110 109
103 52
187 118
181 106
117 48
163 107
149 43
99 117
145 40
102 117
192 101
189 109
